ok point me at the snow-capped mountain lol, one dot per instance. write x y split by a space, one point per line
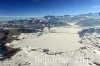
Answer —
54 41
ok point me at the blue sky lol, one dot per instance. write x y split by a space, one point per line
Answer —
47 7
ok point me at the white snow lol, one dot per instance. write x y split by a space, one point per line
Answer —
57 41
63 45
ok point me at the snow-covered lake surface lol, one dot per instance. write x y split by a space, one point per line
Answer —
63 39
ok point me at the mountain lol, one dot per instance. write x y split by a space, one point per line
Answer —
90 36
89 22
52 41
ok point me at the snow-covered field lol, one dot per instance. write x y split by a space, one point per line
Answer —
60 39
58 47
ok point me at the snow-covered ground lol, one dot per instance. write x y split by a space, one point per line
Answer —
60 39
58 47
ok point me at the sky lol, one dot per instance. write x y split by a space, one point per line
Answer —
47 7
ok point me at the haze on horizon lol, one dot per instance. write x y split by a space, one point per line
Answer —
47 7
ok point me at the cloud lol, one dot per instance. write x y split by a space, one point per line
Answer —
96 6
